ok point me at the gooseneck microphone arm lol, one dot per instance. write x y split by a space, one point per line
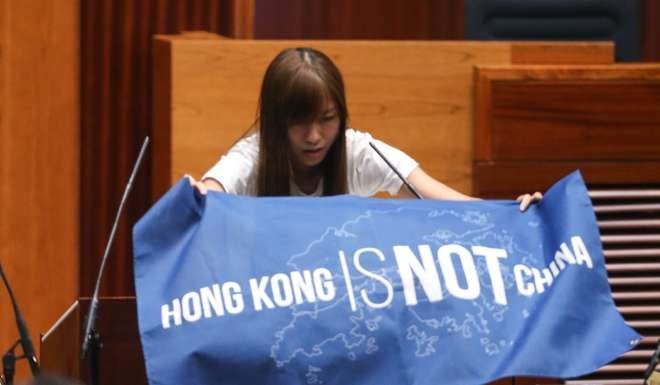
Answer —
88 333
408 185
24 340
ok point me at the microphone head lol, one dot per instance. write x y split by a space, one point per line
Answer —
8 366
25 341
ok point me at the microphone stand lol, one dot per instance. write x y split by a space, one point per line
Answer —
91 340
9 359
652 364
410 187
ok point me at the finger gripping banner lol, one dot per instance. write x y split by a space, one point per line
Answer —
338 290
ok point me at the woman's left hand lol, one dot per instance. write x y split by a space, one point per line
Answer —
527 199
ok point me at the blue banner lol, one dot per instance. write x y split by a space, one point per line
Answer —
349 290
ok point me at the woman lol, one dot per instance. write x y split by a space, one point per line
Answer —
303 146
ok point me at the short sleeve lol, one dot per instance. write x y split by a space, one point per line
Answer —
368 172
236 170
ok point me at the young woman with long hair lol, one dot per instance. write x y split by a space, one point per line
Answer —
301 144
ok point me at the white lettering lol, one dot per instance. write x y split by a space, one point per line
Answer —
541 281
372 275
472 289
524 288
232 291
174 313
281 287
564 256
493 256
325 287
259 296
410 267
581 253
191 307
303 285
211 298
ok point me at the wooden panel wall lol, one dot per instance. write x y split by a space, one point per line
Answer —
39 162
364 19
116 89
650 22
415 95
535 124
395 19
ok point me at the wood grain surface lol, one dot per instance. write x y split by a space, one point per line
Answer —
39 162
415 95
591 112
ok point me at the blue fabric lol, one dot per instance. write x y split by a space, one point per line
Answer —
338 290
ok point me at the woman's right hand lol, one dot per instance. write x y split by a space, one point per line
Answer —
203 186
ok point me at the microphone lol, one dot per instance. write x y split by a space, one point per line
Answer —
410 187
93 306
8 365
25 341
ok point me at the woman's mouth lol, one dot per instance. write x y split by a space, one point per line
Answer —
314 153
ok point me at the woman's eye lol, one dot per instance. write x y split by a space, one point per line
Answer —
328 117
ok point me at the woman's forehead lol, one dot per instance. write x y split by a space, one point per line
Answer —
328 104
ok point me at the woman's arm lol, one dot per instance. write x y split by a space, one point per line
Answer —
203 186
231 173
430 188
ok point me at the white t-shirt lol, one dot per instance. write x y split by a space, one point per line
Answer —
367 172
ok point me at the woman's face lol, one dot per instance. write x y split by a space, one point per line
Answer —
311 141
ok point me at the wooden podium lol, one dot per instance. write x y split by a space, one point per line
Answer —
121 358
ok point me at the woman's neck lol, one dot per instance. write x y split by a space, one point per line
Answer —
307 180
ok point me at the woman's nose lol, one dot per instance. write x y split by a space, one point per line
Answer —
314 133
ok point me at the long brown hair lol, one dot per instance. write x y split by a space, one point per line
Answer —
295 85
